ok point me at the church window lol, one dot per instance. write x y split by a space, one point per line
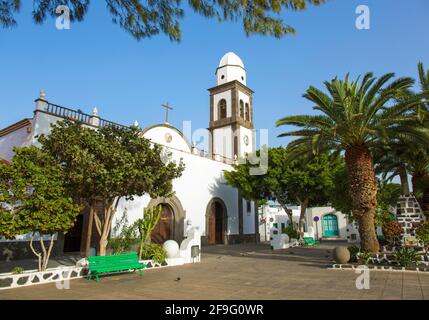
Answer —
247 112
248 207
222 109
241 109
222 77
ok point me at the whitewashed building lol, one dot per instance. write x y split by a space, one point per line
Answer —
202 198
330 224
273 216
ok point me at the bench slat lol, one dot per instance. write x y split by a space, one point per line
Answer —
119 262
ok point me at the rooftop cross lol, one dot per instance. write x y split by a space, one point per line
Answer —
167 108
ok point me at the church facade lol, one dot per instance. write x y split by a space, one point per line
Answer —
202 197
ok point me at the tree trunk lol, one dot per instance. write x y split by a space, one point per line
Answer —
105 226
404 179
89 230
289 214
363 192
103 246
38 255
48 253
304 205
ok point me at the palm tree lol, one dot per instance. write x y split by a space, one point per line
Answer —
391 160
355 117
401 156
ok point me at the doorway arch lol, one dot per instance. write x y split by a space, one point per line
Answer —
172 222
164 230
330 225
216 222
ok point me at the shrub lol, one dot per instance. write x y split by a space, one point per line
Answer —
406 257
291 232
354 250
155 252
392 231
18 270
422 234
364 257
124 235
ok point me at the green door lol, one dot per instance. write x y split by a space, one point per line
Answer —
330 225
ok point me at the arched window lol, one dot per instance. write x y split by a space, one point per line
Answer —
247 112
222 109
241 109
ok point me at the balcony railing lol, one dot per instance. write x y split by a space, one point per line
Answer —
77 115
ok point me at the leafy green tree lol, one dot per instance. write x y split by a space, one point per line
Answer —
303 181
35 200
309 180
109 165
401 155
387 197
144 19
355 116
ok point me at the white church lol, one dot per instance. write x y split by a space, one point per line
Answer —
202 198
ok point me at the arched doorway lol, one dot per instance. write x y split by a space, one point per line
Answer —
216 222
164 230
172 221
330 225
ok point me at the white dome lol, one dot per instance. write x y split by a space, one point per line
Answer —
231 59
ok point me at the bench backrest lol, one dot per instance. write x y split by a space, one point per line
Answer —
95 261
308 240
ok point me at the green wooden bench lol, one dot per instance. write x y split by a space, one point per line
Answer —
114 263
309 241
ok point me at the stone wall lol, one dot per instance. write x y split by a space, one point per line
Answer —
409 215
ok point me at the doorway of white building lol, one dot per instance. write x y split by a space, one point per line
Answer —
164 230
330 225
216 224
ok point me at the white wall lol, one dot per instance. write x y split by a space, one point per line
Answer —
275 214
320 212
201 181
18 138
251 146
231 73
158 135
222 142
248 217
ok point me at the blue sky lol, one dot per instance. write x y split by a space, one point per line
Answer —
98 64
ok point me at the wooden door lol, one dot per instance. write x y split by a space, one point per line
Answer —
219 223
73 238
164 229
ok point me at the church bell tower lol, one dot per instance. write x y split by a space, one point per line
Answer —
231 111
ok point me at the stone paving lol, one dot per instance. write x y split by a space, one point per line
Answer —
242 272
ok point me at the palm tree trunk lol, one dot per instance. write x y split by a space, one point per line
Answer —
363 192
420 181
404 179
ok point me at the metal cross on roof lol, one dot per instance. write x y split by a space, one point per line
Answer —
167 108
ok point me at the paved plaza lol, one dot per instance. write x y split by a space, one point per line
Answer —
242 272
